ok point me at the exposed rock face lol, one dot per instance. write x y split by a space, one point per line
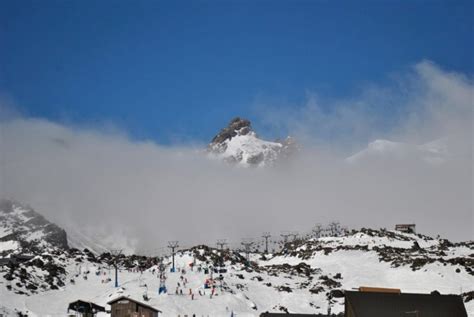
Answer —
238 143
28 229
237 126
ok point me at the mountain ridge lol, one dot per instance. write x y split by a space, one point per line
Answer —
309 274
237 143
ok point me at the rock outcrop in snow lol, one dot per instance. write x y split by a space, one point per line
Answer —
238 143
27 229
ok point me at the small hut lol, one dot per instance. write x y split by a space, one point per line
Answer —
84 308
127 307
406 227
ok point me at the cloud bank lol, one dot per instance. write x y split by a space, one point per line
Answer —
144 194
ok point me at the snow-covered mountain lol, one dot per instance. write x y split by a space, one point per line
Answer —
79 240
307 276
433 153
238 143
23 228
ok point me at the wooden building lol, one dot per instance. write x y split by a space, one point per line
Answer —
379 289
396 304
407 228
127 307
84 308
297 315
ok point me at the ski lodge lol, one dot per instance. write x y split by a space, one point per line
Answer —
393 303
127 307
407 228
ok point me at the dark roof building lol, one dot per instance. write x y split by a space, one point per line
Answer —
15 258
408 228
128 307
295 315
376 304
85 308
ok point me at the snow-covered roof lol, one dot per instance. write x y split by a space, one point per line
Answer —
133 300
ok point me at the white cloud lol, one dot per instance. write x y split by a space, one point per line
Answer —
87 177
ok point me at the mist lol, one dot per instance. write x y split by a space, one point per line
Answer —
142 194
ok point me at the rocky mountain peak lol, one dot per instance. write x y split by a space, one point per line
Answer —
238 143
236 126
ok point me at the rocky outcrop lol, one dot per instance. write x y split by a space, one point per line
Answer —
237 126
30 229
239 144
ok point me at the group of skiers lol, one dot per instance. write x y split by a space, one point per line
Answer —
183 282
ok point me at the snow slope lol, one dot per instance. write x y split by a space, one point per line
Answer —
307 276
433 153
79 240
22 225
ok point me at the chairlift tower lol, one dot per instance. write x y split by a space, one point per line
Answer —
221 243
294 235
266 236
247 244
173 245
116 254
285 236
317 230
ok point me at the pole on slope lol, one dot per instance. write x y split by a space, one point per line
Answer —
247 244
221 243
266 236
294 235
116 254
317 229
285 236
173 245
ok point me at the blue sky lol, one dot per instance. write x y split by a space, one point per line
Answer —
174 71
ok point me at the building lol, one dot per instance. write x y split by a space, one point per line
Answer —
407 228
127 307
15 258
396 304
296 315
84 308
379 290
